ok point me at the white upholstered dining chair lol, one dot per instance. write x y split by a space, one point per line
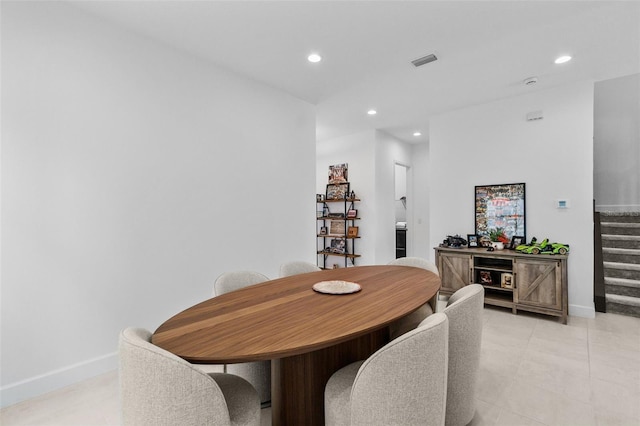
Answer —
464 310
257 373
403 383
159 388
297 267
412 320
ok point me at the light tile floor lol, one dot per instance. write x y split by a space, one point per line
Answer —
533 371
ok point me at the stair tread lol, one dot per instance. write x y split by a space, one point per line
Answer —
619 265
616 250
623 300
621 237
620 224
622 281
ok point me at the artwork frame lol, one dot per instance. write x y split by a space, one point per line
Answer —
337 227
516 240
352 232
506 280
338 246
339 173
352 213
500 206
337 191
472 241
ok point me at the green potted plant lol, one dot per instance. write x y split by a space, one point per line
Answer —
498 238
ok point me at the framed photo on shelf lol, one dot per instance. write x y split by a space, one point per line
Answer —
338 173
506 280
485 277
352 232
337 227
323 230
352 213
337 191
338 246
472 240
516 241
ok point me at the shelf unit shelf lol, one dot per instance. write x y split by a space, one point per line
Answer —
326 241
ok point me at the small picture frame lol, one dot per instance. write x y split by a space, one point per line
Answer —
319 198
323 230
506 280
485 278
516 240
472 241
338 246
339 173
337 227
337 191
352 213
352 232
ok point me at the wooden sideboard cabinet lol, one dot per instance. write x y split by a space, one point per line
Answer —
525 282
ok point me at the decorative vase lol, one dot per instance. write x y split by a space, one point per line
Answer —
497 245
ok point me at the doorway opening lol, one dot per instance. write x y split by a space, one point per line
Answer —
401 173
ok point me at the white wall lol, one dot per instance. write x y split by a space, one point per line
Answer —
358 152
132 176
390 151
493 143
421 244
371 156
617 144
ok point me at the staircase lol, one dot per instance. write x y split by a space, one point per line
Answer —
621 262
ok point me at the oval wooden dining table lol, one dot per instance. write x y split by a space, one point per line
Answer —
307 335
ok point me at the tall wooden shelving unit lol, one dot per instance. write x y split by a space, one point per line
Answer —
325 251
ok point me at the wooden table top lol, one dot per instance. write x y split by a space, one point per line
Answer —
286 317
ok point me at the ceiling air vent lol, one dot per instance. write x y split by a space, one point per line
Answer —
424 60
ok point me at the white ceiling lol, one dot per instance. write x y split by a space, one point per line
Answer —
485 50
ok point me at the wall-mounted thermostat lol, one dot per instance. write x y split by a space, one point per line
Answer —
562 203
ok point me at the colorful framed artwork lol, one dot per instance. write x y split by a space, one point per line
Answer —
500 206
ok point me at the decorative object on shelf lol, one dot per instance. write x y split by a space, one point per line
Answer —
336 266
545 247
336 287
506 280
352 213
485 277
516 241
352 195
336 215
497 235
472 240
338 173
337 191
352 231
319 198
319 213
455 241
337 227
500 206
338 246
323 230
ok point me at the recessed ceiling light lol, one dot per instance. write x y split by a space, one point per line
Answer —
416 134
372 112
563 59
314 57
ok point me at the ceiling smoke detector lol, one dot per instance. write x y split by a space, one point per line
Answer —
530 81
424 60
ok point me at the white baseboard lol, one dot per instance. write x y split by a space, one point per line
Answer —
582 311
57 379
